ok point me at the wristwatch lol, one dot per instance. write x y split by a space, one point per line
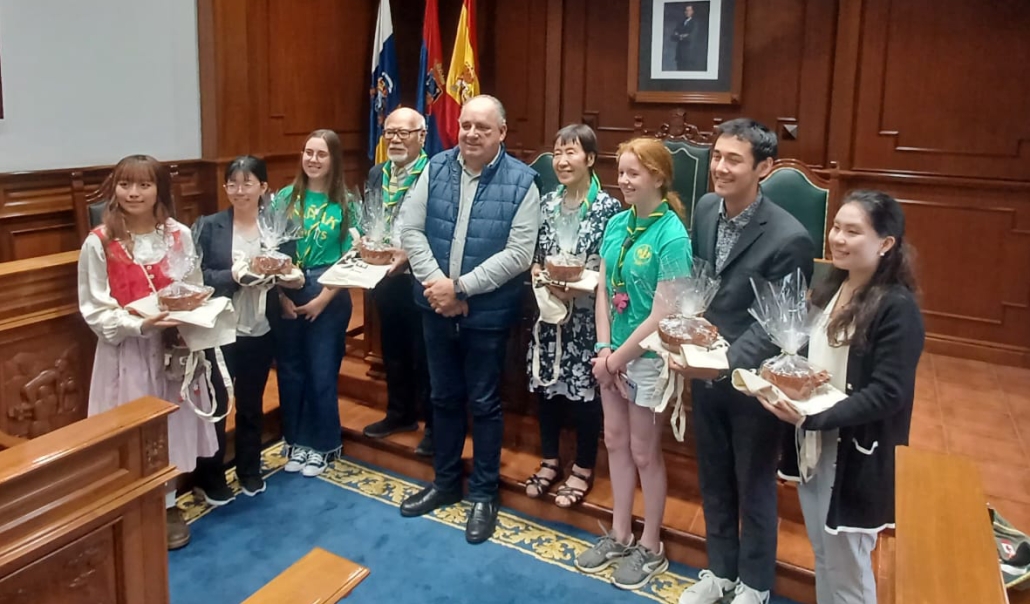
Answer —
459 293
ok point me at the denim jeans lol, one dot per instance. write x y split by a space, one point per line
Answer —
308 356
465 367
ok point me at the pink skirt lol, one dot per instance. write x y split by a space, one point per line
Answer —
135 368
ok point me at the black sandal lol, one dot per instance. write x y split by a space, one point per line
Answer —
542 483
574 495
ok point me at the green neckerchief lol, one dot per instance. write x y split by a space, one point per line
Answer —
635 228
393 194
584 208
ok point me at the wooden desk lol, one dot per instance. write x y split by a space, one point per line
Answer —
944 550
82 511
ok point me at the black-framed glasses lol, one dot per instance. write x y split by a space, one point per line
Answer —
400 133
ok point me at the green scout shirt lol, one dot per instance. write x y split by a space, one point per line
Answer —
660 253
320 243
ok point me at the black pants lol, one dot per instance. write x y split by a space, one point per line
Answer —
738 447
587 420
404 351
248 361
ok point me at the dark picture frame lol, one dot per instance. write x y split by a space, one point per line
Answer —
686 55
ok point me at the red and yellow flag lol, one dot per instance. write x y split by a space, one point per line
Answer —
463 75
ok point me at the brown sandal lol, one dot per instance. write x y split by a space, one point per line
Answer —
542 483
574 495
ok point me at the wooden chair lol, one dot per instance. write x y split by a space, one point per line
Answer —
793 186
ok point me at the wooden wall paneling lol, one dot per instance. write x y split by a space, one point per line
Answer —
936 92
787 57
519 69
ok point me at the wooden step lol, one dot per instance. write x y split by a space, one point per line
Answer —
319 576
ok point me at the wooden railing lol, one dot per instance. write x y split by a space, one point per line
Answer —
82 511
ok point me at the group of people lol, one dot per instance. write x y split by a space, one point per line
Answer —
467 227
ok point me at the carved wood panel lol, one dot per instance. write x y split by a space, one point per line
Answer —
82 572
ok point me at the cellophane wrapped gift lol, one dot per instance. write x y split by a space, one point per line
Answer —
181 295
782 309
276 226
689 300
567 265
375 246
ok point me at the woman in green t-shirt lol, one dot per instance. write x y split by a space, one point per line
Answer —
309 324
644 249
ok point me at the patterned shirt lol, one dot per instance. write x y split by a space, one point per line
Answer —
730 230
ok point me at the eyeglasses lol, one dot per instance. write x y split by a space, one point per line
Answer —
232 187
401 134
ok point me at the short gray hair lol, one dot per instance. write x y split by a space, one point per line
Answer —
497 105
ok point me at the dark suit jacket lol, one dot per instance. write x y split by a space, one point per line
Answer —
875 418
212 236
773 244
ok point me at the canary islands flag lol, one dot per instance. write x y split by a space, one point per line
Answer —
383 91
463 75
431 84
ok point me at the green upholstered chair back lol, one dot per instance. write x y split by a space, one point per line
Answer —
689 173
548 179
793 187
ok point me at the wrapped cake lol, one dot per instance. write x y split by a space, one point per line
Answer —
564 267
679 330
781 308
376 253
182 296
271 263
794 376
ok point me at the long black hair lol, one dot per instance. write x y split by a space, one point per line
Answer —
896 267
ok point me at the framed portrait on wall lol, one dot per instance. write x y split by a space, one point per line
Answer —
686 51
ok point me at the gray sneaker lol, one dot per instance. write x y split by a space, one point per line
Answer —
604 553
639 566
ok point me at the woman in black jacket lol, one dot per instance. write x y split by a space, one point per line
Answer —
869 337
226 240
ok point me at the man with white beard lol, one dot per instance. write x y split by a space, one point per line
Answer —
404 355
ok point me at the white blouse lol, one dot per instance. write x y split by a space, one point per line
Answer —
101 311
831 358
249 301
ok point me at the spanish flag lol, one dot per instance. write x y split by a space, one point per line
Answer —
463 75
383 90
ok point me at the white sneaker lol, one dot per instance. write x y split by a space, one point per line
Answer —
315 465
747 595
298 458
708 590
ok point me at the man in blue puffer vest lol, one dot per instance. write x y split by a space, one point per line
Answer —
469 227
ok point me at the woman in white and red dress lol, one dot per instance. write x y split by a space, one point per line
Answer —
124 260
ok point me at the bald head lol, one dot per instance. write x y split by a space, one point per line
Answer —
405 132
481 130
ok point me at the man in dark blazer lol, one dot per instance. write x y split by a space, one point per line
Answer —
404 351
742 234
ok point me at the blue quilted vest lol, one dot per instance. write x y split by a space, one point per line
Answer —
502 186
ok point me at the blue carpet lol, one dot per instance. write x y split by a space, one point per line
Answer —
351 511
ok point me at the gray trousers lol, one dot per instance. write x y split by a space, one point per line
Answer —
843 562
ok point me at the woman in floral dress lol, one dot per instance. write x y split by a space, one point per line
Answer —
566 385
